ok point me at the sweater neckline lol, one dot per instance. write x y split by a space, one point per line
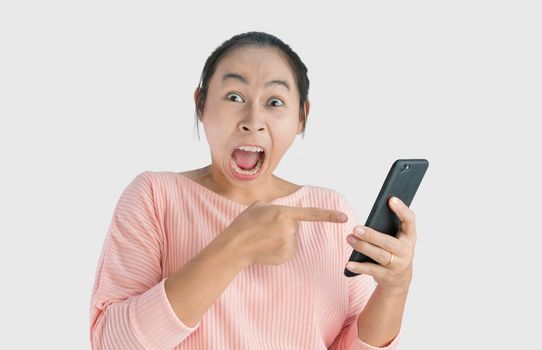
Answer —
210 192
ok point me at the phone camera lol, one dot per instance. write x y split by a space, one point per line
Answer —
405 168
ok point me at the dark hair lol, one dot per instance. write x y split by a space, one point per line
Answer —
263 40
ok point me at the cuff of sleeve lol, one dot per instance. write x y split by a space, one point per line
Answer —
155 322
358 344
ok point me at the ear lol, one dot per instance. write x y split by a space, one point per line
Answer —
306 108
197 94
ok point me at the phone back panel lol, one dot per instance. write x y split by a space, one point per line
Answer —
402 181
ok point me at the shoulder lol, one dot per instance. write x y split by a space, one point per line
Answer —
155 184
161 192
157 178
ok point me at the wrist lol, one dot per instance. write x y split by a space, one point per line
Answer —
393 292
235 252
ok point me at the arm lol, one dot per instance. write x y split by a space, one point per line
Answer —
374 316
380 321
130 308
195 287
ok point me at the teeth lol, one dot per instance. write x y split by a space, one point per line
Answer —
250 148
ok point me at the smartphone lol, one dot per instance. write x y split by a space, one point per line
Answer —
402 181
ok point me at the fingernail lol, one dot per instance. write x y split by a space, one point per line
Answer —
343 216
395 200
359 230
350 266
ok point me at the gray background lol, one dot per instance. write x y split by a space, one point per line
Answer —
93 93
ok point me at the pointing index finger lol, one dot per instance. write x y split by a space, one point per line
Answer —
316 214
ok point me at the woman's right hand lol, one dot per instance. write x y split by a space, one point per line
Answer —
267 234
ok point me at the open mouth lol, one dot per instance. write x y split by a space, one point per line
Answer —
247 163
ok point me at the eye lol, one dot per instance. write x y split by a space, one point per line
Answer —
234 97
276 102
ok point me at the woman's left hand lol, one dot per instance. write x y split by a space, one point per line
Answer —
393 254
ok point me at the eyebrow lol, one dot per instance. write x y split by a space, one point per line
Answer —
242 79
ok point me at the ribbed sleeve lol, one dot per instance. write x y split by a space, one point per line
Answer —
163 219
129 308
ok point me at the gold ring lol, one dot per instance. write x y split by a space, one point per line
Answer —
391 260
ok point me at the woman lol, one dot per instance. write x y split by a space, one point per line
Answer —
230 256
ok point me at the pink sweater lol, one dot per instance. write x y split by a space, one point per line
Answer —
163 219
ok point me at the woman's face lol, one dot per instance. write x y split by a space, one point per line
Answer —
252 98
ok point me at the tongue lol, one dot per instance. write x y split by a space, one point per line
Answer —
246 159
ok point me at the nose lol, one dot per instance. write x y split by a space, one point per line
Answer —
253 120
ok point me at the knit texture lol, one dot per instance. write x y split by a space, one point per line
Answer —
163 219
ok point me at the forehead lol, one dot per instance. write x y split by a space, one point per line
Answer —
257 64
